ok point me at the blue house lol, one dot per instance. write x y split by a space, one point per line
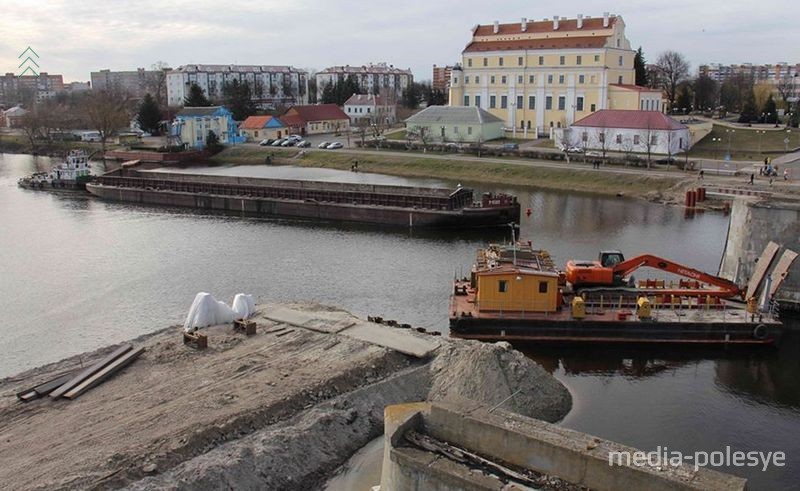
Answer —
192 125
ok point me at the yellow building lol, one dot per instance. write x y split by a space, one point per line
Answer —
538 75
517 288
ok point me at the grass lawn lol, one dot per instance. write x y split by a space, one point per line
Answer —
744 143
396 135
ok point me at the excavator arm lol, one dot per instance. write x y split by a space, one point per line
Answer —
627 267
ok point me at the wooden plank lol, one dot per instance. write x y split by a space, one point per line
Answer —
104 374
88 372
781 271
762 266
52 385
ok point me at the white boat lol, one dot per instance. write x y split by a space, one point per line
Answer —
74 173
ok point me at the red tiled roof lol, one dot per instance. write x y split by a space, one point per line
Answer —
318 112
293 120
637 88
619 118
552 43
545 26
255 122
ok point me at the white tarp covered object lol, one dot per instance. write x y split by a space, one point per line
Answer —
208 311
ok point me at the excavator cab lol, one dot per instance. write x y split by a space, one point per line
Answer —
609 259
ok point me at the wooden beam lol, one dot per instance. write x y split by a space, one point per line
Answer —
104 374
88 372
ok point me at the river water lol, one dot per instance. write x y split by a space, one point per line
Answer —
78 273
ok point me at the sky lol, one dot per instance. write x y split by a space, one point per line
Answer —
76 37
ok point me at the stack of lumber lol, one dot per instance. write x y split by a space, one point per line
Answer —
72 384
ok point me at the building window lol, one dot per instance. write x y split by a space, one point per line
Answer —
562 102
529 124
477 101
466 100
619 80
620 60
455 129
578 60
502 286
584 137
503 102
592 108
455 80
469 62
486 62
602 137
619 139
542 287
579 103
549 79
519 61
548 102
531 102
500 61
581 79
492 102
531 79
491 80
561 79
596 58
654 140
469 130
466 79
520 103
503 80
519 79
541 60
636 139
477 79
562 59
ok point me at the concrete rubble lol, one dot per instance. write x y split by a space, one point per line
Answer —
282 409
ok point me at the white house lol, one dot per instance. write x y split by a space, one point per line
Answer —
369 108
617 130
455 124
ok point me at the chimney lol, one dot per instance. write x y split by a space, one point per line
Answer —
605 19
580 21
555 22
496 27
524 26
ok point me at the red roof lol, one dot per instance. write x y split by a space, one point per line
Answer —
543 43
293 120
637 88
619 118
545 26
318 112
255 122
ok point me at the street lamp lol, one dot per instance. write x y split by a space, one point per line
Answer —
786 142
513 119
730 137
760 135
718 141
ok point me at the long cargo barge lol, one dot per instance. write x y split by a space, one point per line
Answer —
366 203
515 293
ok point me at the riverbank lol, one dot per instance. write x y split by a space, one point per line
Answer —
281 409
489 171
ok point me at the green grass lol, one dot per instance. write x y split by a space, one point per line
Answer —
744 143
396 135
415 165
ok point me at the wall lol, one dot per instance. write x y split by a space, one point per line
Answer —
521 295
664 139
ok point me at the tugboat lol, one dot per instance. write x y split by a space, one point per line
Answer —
68 176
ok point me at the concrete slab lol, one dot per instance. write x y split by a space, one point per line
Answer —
325 322
393 338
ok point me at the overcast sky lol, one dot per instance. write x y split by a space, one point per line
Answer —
75 37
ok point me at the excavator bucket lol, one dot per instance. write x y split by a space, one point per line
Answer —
781 270
762 266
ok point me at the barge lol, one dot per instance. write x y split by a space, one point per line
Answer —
366 203
516 293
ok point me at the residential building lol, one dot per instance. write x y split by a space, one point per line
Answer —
368 108
441 77
75 87
133 83
455 124
783 76
622 96
539 75
257 128
315 119
29 88
192 125
12 118
629 131
271 85
374 78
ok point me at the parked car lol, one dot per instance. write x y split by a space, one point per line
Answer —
304 144
295 138
288 143
278 142
266 142
335 145
323 145
510 146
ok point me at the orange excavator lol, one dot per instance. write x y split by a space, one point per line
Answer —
612 272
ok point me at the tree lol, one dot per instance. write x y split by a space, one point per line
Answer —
107 112
706 91
749 110
157 82
770 111
412 95
672 69
239 99
647 140
149 115
762 92
786 88
196 97
640 66
31 126
212 142
312 89
328 94
684 99
735 91
601 138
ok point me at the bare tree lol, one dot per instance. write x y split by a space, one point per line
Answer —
627 148
107 113
31 125
157 82
584 145
648 142
362 125
785 88
672 69
602 140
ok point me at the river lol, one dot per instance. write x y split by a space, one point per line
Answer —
78 273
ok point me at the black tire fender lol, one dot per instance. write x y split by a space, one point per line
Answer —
760 332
